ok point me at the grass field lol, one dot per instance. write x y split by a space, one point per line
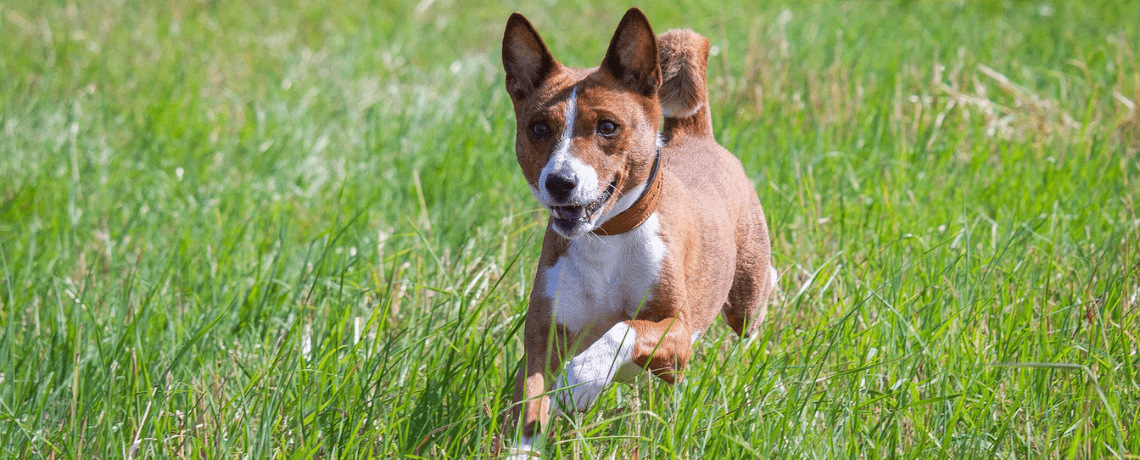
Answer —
297 230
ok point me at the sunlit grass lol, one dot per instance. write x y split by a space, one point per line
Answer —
297 230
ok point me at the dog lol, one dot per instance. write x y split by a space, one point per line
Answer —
654 229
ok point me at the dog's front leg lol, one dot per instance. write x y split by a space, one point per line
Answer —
662 347
544 348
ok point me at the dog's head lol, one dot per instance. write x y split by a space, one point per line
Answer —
586 138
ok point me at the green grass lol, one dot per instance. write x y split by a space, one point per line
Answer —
297 230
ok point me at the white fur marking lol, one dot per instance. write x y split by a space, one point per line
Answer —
524 450
591 370
563 162
627 200
602 280
623 203
775 275
677 111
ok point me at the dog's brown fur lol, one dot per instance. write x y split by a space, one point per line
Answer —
710 219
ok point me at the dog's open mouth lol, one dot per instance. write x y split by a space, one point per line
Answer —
571 215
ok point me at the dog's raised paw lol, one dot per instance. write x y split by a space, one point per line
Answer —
590 371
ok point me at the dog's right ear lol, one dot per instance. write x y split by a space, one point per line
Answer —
525 58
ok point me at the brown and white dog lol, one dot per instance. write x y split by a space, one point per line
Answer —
654 228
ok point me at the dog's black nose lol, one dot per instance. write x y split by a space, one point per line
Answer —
559 186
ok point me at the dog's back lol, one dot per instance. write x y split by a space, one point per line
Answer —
711 174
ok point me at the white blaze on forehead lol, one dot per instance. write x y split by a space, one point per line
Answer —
569 115
562 162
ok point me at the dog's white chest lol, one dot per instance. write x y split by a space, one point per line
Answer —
603 280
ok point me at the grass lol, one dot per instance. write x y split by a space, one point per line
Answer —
296 230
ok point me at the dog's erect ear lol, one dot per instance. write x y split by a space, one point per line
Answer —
632 57
525 58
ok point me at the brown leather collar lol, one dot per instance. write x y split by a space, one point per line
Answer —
644 207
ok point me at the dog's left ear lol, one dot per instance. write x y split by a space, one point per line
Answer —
632 56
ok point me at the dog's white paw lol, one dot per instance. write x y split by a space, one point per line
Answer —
577 390
590 371
524 450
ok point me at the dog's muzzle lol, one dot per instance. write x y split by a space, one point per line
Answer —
568 217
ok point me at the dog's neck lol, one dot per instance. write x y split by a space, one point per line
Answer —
641 209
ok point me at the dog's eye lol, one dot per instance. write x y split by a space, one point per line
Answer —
606 127
539 130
